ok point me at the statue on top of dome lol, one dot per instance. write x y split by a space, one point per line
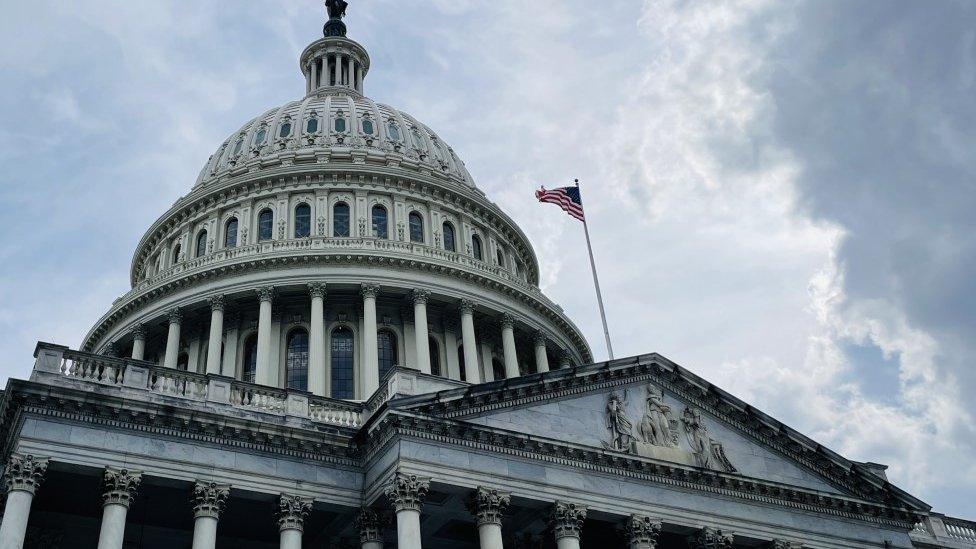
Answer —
337 8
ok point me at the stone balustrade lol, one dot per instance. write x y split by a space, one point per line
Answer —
945 532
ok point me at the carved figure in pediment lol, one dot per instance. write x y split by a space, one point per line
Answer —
621 428
657 427
708 453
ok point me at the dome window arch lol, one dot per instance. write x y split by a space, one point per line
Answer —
239 147
416 227
312 124
340 220
381 222
265 224
500 257
202 243
418 142
261 136
249 366
177 250
340 122
296 360
435 357
393 130
230 233
386 352
343 355
303 220
477 250
368 127
450 242
284 131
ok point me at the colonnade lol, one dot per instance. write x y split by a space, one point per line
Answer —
346 71
369 378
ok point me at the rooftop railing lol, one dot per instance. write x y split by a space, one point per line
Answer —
941 531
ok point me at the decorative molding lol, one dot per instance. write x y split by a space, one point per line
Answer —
711 538
217 303
120 486
25 473
175 316
369 525
369 291
488 505
566 520
266 293
139 331
317 289
466 306
420 297
507 321
292 511
407 492
642 531
209 498
782 544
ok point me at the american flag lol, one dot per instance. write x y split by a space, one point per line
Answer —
567 198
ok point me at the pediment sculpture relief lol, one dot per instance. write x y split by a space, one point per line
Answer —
708 452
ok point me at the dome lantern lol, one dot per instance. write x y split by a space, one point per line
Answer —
334 61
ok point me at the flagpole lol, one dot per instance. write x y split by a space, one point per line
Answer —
596 279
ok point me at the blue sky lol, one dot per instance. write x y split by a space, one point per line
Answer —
781 193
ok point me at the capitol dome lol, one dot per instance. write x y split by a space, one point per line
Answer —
329 241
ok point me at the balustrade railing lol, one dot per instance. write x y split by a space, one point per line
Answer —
89 367
960 529
267 399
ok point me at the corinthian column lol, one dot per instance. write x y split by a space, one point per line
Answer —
139 342
710 538
216 334
316 340
508 346
407 493
208 499
487 505
371 365
292 511
23 475
567 524
262 370
421 335
642 532
370 531
541 357
173 339
472 373
120 489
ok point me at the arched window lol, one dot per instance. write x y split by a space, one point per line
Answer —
461 371
416 227
312 126
176 254
500 257
449 243
296 360
380 224
393 130
250 365
260 137
476 248
230 233
285 129
340 122
343 355
265 224
418 141
340 219
498 369
386 351
202 244
303 221
435 357
183 362
239 146
368 126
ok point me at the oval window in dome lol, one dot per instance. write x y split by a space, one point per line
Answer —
312 126
285 130
260 137
393 130
417 140
340 124
368 126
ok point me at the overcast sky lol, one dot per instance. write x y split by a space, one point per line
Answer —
781 193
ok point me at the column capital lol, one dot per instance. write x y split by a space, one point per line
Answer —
508 321
25 473
369 524
139 332
266 293
407 492
783 544
175 315
540 338
111 350
567 520
565 359
217 303
466 307
710 538
488 505
643 531
120 486
369 291
317 289
420 297
292 511
209 499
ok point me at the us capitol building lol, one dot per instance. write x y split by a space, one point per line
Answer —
336 340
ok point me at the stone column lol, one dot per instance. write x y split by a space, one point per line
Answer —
23 475
642 532
565 359
337 74
262 374
370 530
421 332
359 78
371 366
407 493
351 72
541 357
472 373
232 323
208 499
215 346
315 75
710 538
567 524
316 340
487 505
139 342
292 511
120 489
173 339
508 346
